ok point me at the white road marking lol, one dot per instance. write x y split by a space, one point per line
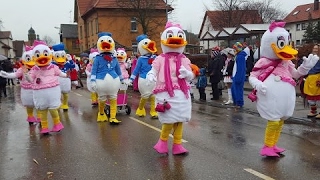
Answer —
260 175
77 94
152 127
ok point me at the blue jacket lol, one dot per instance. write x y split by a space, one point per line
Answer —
202 79
101 67
240 75
67 66
142 67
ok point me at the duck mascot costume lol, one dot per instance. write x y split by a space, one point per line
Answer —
94 95
106 77
124 64
273 79
172 71
46 88
65 65
26 87
146 48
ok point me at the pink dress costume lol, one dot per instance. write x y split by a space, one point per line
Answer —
273 79
172 72
46 89
135 81
26 86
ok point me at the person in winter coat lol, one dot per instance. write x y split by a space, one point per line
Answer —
202 84
214 69
3 82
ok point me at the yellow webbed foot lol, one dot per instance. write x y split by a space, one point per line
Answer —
141 112
114 120
102 117
64 107
154 114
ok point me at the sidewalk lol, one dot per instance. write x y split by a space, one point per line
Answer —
299 115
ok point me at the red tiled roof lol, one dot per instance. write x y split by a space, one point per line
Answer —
303 13
5 34
221 19
85 6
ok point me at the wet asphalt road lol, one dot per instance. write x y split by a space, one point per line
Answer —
223 144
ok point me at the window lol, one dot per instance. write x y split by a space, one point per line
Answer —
295 13
298 27
134 47
97 26
298 42
304 26
80 32
75 44
133 25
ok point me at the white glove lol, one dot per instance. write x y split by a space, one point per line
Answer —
309 62
184 73
151 77
3 74
129 61
258 85
128 82
94 86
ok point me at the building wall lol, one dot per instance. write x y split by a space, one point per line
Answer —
70 46
119 24
297 33
9 53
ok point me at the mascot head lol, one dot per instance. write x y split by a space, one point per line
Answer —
275 43
121 55
105 43
26 58
59 54
173 38
93 53
145 45
42 55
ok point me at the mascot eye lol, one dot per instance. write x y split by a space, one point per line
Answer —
281 43
57 55
169 35
180 35
101 40
28 58
110 41
37 54
145 43
45 53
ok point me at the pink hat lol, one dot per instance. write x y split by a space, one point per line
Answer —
92 50
119 49
29 48
37 42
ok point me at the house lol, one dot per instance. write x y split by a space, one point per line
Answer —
69 37
121 19
19 48
223 24
298 19
6 45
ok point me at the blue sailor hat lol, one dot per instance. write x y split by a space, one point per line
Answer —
104 34
141 37
58 47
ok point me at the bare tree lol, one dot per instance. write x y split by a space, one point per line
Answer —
267 10
144 12
48 40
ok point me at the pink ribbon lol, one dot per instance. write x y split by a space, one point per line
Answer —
29 48
274 25
92 50
170 24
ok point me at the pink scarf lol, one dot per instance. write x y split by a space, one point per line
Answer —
167 76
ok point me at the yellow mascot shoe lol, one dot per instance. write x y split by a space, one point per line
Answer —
141 112
153 114
64 107
114 120
102 117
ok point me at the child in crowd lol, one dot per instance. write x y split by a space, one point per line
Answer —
202 84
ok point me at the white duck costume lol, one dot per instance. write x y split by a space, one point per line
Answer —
94 96
26 86
106 77
46 89
171 71
65 65
146 48
276 95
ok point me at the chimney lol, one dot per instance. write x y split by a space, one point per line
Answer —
316 5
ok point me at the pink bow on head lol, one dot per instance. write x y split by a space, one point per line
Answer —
29 48
170 24
92 50
37 42
119 49
274 25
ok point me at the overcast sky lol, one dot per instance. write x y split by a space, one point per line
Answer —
44 15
